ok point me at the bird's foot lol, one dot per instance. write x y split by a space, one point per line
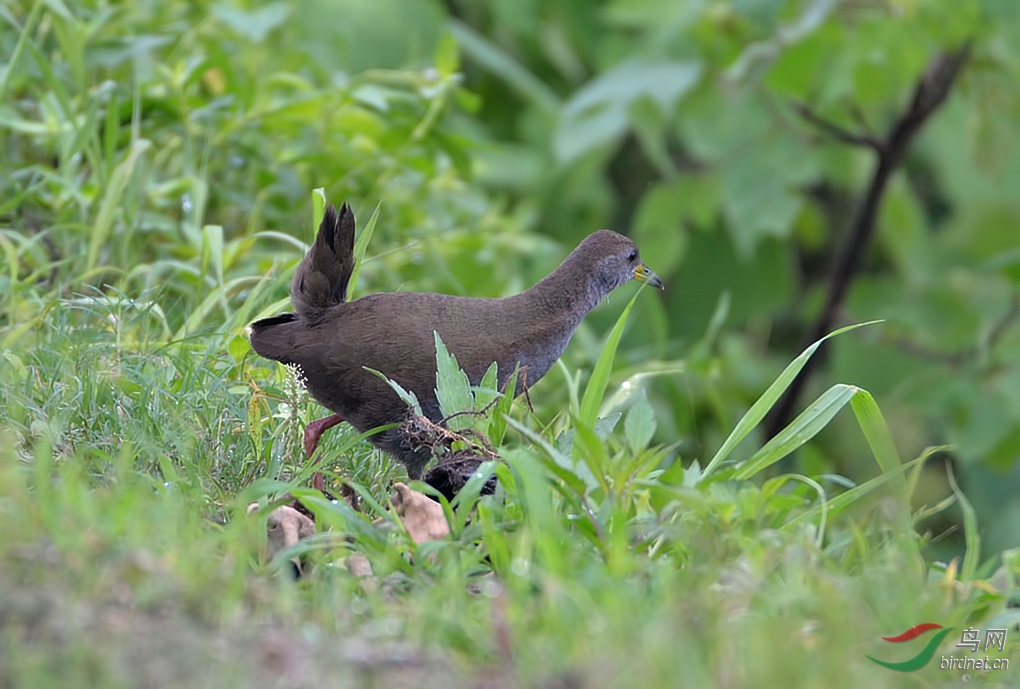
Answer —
315 429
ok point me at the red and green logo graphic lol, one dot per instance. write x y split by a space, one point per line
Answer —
922 658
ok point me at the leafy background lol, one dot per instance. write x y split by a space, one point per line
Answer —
155 193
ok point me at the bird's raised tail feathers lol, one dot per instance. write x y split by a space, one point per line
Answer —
322 278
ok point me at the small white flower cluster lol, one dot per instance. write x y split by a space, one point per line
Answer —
296 381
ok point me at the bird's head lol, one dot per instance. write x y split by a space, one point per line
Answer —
614 260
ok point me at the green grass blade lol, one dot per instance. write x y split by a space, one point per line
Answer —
760 408
596 388
360 246
876 431
318 209
12 63
406 395
970 530
847 498
915 475
112 201
880 440
804 427
218 296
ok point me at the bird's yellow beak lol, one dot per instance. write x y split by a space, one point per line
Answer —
645 274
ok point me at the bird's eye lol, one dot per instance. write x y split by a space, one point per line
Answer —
633 255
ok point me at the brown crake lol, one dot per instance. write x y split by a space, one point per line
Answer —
332 341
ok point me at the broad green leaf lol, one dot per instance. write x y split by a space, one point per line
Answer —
604 425
639 426
902 231
658 224
453 389
598 112
254 24
761 194
759 56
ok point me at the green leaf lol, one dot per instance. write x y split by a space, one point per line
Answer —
761 189
447 57
453 389
658 224
491 57
238 347
639 426
598 112
880 440
488 389
592 452
485 394
576 476
500 414
24 39
604 425
254 25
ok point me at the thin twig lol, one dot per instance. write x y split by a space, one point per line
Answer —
836 131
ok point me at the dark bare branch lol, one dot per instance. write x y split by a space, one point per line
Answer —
930 92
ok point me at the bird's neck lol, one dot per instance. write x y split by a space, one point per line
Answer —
567 294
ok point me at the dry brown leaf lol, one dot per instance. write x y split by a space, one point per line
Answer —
358 565
285 526
423 517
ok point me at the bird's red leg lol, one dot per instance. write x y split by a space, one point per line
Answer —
313 432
